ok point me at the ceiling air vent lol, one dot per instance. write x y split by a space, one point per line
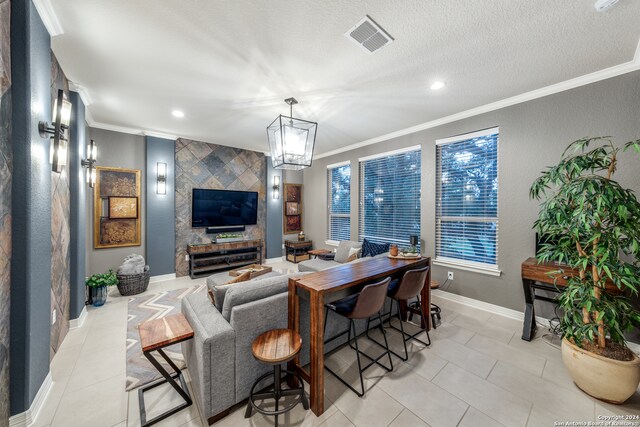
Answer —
368 35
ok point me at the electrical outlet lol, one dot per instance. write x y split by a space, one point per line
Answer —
54 315
450 275
186 257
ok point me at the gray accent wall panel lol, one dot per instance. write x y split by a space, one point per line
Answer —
31 261
160 220
274 213
78 216
119 150
533 135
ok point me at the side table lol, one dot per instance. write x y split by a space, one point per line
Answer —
319 253
154 336
297 250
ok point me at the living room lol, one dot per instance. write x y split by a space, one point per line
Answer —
429 142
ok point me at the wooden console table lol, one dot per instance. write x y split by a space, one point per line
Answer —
539 276
330 285
206 259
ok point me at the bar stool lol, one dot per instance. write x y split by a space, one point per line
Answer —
276 347
409 287
363 305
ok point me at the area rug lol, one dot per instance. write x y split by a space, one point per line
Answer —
149 307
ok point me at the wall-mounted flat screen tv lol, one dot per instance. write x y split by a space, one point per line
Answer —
219 208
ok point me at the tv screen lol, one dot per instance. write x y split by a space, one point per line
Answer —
218 208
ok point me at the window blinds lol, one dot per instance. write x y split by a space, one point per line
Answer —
390 197
339 192
467 199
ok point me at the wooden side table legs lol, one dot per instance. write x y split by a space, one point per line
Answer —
168 378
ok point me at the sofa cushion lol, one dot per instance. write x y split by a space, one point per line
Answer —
316 265
373 249
218 285
342 253
253 290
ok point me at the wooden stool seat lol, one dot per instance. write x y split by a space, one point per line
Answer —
435 284
276 346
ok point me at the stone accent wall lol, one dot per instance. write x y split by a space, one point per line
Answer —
6 169
60 232
202 165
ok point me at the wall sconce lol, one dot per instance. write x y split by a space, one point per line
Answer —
276 187
57 131
89 163
161 178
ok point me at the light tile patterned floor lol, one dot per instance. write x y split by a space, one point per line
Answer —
477 372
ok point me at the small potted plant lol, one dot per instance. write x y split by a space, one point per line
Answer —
592 225
98 284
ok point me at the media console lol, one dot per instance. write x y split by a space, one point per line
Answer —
207 259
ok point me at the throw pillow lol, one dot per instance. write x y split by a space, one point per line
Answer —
220 290
353 254
373 249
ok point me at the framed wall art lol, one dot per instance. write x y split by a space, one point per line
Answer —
116 208
292 207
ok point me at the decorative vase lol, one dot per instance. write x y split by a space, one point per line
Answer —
99 295
393 250
610 380
301 236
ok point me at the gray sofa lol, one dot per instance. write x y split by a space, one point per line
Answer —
341 257
219 358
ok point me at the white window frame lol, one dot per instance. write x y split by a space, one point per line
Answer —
329 214
478 267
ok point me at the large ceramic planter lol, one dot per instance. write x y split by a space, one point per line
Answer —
606 379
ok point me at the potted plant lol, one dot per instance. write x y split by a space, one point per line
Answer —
592 225
98 284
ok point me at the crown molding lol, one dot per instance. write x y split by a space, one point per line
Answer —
49 17
82 91
160 135
596 76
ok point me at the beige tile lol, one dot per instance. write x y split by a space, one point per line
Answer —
494 331
426 364
96 366
101 404
64 361
50 406
630 407
465 310
475 418
466 358
450 331
75 337
376 408
558 401
196 422
503 406
408 419
537 346
431 403
523 360
338 419
122 424
157 401
555 372
539 417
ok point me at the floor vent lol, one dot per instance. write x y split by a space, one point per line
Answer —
368 35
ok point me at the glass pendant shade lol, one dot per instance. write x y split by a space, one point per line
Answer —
291 142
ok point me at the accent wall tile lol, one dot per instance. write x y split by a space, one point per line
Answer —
214 163
200 151
227 154
185 159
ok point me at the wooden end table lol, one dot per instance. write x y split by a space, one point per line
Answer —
154 336
319 252
298 250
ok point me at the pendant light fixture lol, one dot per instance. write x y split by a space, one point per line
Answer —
291 140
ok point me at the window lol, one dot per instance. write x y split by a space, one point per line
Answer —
339 191
390 196
467 199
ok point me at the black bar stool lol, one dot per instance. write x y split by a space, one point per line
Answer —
409 287
364 305
276 347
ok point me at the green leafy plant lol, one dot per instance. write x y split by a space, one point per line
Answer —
105 279
229 235
592 224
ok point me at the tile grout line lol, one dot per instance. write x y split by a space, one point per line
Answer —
463 415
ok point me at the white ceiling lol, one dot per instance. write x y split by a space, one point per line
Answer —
229 64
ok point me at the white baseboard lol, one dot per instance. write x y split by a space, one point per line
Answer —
162 278
503 311
273 260
26 419
77 323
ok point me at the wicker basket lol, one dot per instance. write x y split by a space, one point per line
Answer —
132 284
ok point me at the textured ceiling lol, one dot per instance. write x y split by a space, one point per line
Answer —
229 64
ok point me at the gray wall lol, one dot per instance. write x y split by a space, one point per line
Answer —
274 214
31 262
120 150
78 201
532 136
160 219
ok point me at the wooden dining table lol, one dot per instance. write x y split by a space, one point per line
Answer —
332 284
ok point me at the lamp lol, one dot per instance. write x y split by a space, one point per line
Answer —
276 187
57 130
89 163
291 140
413 240
161 180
